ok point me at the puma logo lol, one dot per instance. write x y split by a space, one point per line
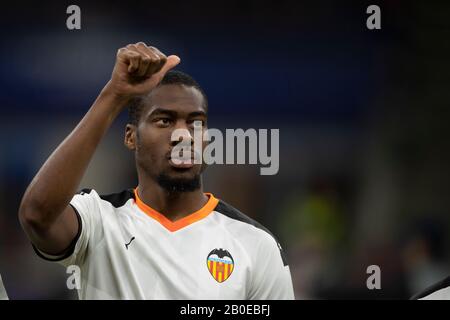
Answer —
127 244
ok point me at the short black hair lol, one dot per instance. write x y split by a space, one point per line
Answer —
171 77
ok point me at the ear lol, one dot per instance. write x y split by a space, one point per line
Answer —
130 137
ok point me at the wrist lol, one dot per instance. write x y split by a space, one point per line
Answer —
109 91
109 104
117 102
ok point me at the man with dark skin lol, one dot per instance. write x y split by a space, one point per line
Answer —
169 192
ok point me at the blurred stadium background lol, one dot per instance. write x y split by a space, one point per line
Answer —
363 118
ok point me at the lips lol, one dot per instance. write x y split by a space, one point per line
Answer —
181 162
184 164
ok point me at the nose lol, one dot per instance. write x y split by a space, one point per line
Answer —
181 134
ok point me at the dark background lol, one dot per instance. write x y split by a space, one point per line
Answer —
363 118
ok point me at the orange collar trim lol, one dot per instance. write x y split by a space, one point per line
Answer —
183 222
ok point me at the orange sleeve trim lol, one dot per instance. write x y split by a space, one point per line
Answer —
183 222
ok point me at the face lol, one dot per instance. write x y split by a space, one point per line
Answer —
168 107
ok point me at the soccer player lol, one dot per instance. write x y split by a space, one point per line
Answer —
166 238
3 295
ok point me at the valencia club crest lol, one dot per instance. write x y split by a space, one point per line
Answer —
220 264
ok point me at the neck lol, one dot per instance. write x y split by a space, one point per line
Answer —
173 205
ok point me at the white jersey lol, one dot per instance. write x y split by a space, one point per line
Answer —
3 295
438 291
126 250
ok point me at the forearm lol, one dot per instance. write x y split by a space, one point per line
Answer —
57 181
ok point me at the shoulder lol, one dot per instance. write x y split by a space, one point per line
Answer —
116 200
237 216
242 222
438 291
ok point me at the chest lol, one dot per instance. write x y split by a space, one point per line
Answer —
201 261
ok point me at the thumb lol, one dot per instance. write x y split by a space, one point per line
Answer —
171 62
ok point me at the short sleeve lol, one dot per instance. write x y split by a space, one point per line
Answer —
271 277
3 295
86 206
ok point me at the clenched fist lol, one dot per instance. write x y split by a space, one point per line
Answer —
138 69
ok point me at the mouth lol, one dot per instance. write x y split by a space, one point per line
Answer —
181 162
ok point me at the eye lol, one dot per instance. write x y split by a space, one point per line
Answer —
163 122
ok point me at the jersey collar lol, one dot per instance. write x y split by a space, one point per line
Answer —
173 226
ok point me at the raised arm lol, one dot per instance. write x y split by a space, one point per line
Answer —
45 214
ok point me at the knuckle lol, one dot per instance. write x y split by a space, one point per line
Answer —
155 62
155 51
